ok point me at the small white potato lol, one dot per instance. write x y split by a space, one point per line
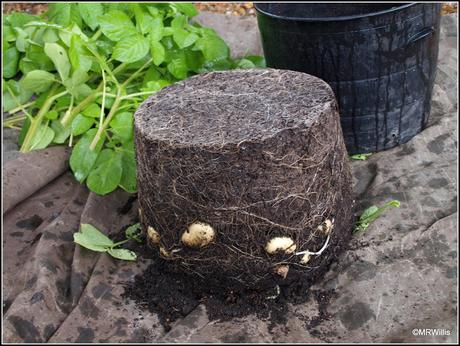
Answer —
164 252
153 235
326 227
276 244
305 258
198 234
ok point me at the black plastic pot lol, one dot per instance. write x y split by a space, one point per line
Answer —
379 58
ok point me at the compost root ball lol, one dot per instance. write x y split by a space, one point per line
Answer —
242 171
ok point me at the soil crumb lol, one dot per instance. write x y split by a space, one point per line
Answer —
166 290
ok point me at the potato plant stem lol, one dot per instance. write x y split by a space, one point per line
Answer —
130 96
68 118
36 121
116 104
107 120
11 121
18 103
119 243
96 35
135 74
21 107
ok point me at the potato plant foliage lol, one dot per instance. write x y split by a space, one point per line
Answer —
76 74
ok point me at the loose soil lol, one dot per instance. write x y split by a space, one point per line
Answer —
172 294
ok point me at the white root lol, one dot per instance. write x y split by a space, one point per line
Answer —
307 254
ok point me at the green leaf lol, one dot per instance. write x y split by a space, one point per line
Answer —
10 62
24 129
8 33
184 38
21 95
156 29
116 25
36 54
123 254
143 20
168 31
21 39
38 81
83 158
178 22
50 35
81 91
59 13
131 49
83 241
73 30
76 86
90 11
81 124
157 85
51 115
258 61
20 19
43 137
186 8
195 60
128 178
61 133
25 66
63 102
134 232
158 52
41 99
106 175
217 65
64 14
118 6
90 237
105 46
122 126
151 74
59 57
371 214
245 64
96 236
92 111
79 56
178 65
79 77
360 157
212 46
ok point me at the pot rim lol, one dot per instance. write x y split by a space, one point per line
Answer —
332 19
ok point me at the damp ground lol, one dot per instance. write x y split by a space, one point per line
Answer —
172 294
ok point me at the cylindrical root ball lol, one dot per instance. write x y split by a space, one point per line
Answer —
241 171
